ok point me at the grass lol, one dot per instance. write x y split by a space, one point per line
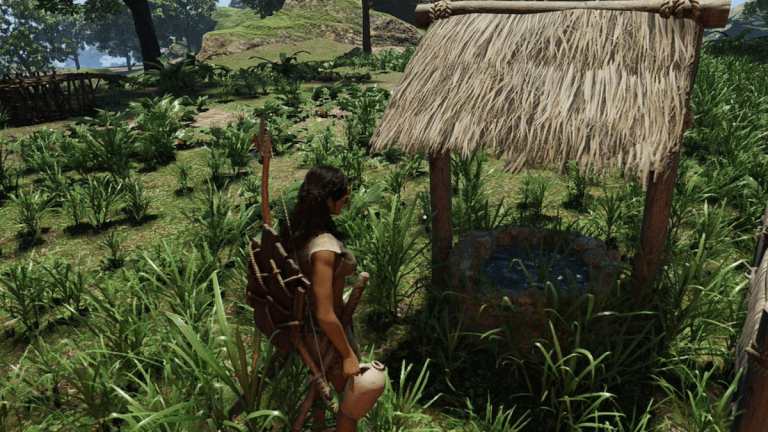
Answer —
319 49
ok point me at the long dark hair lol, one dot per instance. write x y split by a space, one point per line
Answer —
311 215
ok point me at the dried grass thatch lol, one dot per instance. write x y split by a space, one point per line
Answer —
605 88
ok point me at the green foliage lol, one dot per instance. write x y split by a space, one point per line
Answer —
137 202
159 120
227 361
577 187
115 258
386 60
183 170
55 185
690 404
23 296
217 222
31 207
471 207
365 106
40 149
184 77
68 284
101 195
75 205
533 190
389 251
402 410
503 420
107 148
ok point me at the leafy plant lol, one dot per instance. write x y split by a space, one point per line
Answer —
75 205
217 222
115 257
23 296
32 206
471 207
182 171
503 420
402 409
107 148
216 161
137 201
241 370
533 189
691 405
577 187
159 120
101 195
390 251
68 284
40 149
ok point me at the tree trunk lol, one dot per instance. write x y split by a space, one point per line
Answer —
366 26
128 63
145 30
76 57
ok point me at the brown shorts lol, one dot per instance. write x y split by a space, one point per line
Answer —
314 343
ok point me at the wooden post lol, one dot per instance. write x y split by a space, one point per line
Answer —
442 229
654 231
752 347
753 404
658 206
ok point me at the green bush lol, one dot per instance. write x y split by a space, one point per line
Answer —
137 202
388 249
40 149
23 296
31 207
101 195
159 120
107 148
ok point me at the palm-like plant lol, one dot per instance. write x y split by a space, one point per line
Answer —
32 206
159 119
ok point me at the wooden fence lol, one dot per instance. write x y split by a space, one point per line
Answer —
752 349
36 98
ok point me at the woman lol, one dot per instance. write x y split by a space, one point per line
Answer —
311 236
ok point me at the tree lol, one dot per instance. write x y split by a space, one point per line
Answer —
115 35
367 5
71 36
265 8
31 38
185 19
98 9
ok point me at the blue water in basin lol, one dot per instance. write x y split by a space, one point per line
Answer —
504 270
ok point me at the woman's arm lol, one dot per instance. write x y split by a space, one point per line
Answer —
322 285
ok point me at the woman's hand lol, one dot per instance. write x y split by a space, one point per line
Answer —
351 366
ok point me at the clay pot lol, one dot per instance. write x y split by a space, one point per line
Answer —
363 390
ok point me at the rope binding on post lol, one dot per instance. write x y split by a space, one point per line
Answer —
676 8
440 10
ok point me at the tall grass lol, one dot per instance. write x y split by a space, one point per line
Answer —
390 252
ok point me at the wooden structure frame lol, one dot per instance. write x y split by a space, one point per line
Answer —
660 176
35 98
752 348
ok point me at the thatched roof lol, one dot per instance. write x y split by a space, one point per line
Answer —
605 88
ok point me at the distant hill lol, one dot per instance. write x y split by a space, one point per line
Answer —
738 23
338 21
